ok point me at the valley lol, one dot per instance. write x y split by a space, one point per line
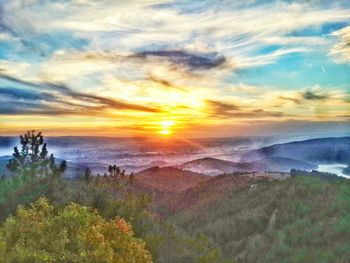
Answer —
237 155
261 205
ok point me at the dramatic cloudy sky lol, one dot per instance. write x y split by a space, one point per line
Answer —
189 68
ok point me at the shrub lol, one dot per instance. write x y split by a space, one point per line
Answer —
40 233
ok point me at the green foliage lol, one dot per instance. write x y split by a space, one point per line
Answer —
301 209
106 194
17 190
169 244
71 234
166 243
8 185
34 173
33 159
301 219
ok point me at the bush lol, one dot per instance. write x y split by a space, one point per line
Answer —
74 233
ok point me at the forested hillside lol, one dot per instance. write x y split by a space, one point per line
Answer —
75 216
300 219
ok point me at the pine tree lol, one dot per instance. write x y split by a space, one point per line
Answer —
116 174
131 178
33 159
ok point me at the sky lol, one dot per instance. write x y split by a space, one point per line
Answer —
175 68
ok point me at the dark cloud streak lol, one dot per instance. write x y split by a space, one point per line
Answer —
220 109
67 100
16 93
295 100
200 61
165 83
310 95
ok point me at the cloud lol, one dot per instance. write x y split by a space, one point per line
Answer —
161 81
164 82
4 37
311 95
168 59
341 50
309 103
19 94
190 60
295 100
211 36
99 100
31 108
65 100
220 109
233 31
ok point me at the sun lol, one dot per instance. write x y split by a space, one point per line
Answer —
164 132
165 127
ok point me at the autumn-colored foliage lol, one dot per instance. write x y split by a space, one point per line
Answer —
40 233
122 225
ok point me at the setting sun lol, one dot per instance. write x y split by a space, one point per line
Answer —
164 132
165 127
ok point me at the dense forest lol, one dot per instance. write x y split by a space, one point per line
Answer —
46 218
300 219
102 218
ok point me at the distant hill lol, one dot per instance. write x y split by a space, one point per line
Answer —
283 164
101 168
213 166
168 179
323 150
347 170
8 141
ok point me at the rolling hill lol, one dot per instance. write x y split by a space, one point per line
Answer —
300 219
168 179
213 166
323 150
346 170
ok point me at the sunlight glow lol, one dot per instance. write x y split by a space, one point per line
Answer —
165 132
167 124
165 127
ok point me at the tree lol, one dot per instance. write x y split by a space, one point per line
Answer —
131 178
35 173
87 179
33 159
116 174
40 233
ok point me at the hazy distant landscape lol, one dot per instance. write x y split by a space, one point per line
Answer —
208 156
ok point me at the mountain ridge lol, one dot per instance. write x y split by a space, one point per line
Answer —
213 166
321 150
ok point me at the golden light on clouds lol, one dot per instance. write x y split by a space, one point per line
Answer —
180 73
